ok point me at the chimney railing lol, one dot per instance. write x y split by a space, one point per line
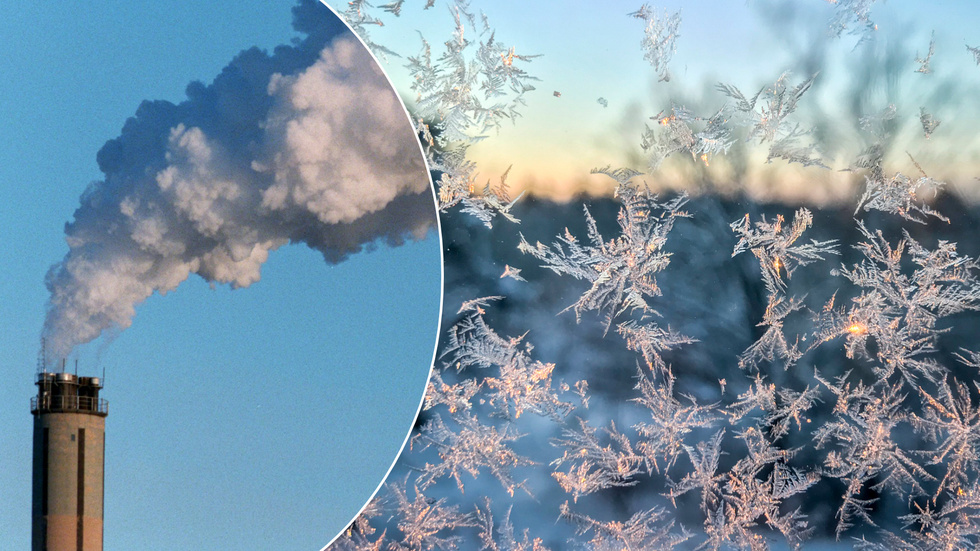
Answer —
68 404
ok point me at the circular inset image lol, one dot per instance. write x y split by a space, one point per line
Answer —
720 289
237 340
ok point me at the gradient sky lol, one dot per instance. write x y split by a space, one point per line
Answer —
590 52
258 418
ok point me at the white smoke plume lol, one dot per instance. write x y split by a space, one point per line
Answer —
307 145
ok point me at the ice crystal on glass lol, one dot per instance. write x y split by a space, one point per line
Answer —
899 195
662 439
774 246
853 16
682 131
472 449
766 114
975 51
929 123
899 308
591 466
622 271
649 529
519 383
923 62
426 523
659 37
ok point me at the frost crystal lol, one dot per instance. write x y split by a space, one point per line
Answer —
592 466
504 538
681 131
457 185
976 53
774 246
456 397
358 18
929 123
647 529
899 310
952 422
453 92
898 195
623 270
475 447
854 16
876 123
394 8
427 523
766 115
778 101
513 273
924 61
650 340
659 38
670 421
357 536
864 431
782 409
520 384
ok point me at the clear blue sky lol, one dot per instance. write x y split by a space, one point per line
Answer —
256 418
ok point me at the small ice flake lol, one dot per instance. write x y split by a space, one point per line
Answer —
511 272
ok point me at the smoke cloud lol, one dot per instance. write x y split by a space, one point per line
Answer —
307 145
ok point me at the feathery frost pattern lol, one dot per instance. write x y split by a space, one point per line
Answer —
766 115
923 62
853 16
975 52
468 91
929 123
623 270
898 194
773 246
659 37
682 131
763 118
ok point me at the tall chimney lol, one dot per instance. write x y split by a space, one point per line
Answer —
69 463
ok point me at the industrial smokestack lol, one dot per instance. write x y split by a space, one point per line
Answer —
69 463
